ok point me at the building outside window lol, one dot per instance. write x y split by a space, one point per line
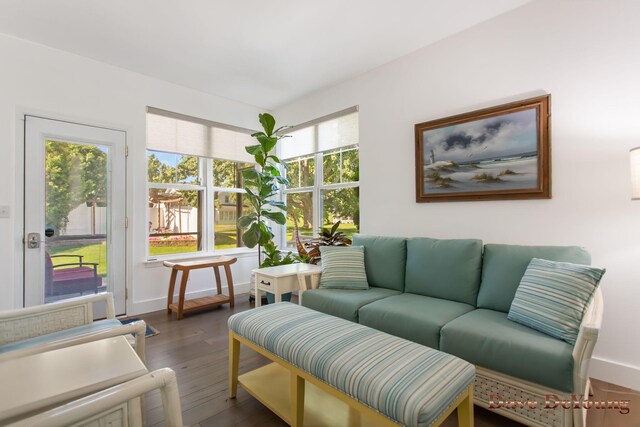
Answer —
322 160
194 181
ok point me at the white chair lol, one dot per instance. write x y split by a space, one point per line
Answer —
60 324
118 405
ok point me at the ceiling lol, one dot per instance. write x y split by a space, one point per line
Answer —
264 53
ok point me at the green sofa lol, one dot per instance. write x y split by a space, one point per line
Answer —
454 296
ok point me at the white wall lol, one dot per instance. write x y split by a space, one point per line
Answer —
49 82
586 54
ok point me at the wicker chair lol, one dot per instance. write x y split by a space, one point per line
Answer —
64 323
118 405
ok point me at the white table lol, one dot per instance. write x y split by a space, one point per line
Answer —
280 279
33 383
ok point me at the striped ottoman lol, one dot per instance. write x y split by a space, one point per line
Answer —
395 381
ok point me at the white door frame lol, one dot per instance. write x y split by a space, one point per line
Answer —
119 202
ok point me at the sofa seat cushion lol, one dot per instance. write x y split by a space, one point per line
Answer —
504 265
413 317
488 339
64 334
343 303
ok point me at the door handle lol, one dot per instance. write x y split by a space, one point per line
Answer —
33 240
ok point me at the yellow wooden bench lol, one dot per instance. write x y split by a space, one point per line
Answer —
332 372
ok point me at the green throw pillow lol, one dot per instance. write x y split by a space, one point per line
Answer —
343 267
553 296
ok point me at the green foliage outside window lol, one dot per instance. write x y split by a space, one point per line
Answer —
75 174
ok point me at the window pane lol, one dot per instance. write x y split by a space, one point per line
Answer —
331 167
342 205
228 174
300 207
350 165
300 172
228 208
341 166
174 221
170 168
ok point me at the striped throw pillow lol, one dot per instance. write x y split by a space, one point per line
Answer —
343 267
552 297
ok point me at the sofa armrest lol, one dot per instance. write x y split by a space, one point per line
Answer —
24 323
308 280
583 350
134 332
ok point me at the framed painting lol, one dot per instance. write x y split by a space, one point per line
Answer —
497 153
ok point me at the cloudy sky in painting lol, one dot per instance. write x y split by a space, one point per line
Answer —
500 136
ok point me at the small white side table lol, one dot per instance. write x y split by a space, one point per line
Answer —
280 279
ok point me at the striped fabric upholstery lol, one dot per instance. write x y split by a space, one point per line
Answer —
553 296
406 382
343 267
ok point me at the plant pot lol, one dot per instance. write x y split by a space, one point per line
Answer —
271 298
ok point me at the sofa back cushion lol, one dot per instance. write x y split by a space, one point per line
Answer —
385 259
504 265
447 269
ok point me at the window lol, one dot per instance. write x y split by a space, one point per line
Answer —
194 181
322 159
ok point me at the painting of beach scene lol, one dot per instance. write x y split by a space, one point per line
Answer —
494 155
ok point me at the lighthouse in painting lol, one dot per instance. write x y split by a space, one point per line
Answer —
432 157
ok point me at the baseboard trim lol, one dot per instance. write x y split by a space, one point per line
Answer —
615 373
156 304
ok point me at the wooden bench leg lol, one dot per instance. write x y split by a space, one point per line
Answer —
234 363
465 410
297 400
216 271
227 271
183 291
172 287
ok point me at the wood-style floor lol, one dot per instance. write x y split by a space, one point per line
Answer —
196 349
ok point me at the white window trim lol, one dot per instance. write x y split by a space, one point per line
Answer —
205 169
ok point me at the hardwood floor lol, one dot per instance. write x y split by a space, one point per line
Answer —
196 349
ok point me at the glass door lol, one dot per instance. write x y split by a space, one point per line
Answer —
74 211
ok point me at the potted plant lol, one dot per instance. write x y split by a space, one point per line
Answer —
261 185
310 251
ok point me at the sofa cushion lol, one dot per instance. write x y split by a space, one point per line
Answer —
385 259
448 269
64 334
343 267
504 265
343 303
413 317
553 297
487 338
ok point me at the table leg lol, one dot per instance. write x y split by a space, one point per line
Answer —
216 271
172 286
183 291
227 271
278 296
255 285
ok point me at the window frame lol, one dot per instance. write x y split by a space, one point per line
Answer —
317 189
205 177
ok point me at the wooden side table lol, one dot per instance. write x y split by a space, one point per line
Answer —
280 279
204 302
